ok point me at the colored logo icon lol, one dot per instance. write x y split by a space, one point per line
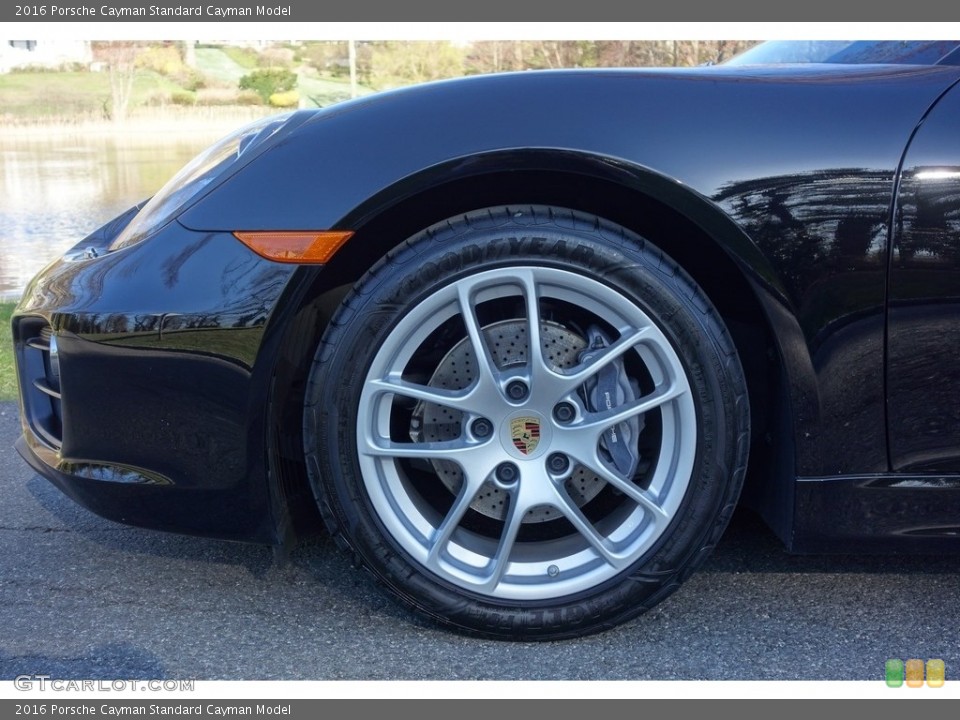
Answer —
893 670
525 433
912 671
936 673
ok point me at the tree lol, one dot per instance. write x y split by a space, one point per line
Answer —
403 63
120 60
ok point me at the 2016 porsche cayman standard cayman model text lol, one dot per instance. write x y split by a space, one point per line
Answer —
515 338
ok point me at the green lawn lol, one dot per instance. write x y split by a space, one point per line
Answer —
216 65
61 94
322 91
244 57
8 382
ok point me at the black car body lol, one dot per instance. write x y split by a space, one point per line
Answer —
815 208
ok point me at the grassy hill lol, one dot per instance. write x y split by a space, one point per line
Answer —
221 66
39 95
32 96
216 65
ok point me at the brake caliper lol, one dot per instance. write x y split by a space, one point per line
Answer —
610 388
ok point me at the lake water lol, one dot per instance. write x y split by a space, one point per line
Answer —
54 191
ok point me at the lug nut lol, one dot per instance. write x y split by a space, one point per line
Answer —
558 463
564 412
481 428
517 390
507 473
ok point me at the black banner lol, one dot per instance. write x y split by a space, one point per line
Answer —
116 11
436 11
98 708
475 709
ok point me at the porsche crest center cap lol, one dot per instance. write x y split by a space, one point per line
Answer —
525 433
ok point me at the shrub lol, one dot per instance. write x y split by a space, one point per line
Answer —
165 60
269 82
190 79
156 98
248 97
288 99
182 97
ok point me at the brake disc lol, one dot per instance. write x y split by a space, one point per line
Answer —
507 342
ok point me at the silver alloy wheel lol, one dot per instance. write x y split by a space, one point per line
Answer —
496 559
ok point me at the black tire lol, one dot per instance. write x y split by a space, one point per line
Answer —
635 508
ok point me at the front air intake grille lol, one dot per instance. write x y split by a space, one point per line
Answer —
38 363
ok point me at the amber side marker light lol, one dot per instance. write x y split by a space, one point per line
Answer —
295 247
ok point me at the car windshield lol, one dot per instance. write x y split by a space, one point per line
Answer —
859 52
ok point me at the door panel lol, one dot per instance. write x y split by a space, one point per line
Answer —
923 370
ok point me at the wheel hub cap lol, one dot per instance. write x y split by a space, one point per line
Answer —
525 436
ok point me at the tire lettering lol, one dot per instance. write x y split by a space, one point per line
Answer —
526 244
582 253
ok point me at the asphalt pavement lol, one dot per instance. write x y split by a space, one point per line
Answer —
83 597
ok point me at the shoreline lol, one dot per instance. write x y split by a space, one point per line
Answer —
215 121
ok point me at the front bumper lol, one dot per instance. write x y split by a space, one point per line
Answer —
155 413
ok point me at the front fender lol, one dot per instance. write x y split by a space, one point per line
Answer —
792 172
709 129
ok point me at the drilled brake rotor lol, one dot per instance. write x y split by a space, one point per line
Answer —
507 342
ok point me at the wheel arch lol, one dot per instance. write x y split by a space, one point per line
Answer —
697 234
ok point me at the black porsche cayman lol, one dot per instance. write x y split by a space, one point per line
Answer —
515 338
